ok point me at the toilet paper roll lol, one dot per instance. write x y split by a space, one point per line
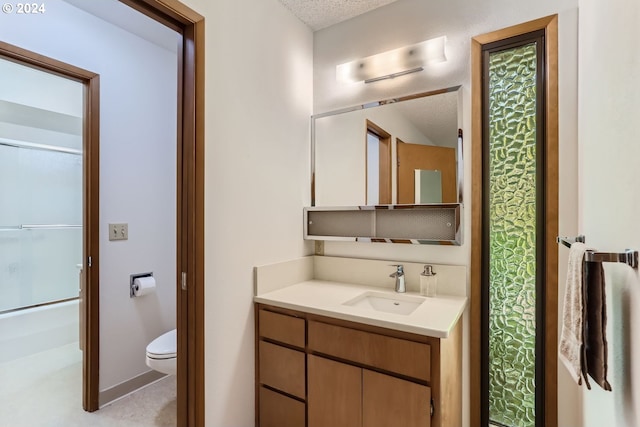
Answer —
144 285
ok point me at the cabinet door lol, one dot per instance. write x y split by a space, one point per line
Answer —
389 401
334 393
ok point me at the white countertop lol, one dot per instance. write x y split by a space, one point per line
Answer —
435 317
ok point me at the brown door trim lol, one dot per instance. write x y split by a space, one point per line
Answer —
384 163
190 204
90 216
550 26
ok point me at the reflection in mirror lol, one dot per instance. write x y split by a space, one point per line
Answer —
378 165
399 151
428 186
414 157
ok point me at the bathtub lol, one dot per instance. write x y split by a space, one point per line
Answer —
33 330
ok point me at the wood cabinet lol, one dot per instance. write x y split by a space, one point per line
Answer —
389 401
338 373
343 395
334 393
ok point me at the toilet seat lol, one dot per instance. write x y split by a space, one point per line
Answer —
161 356
163 347
162 353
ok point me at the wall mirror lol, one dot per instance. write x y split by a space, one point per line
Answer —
398 151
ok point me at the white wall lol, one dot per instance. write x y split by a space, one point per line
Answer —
24 85
258 104
416 20
609 197
138 169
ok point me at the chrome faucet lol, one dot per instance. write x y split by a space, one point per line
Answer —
399 276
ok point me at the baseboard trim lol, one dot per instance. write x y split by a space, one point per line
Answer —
124 388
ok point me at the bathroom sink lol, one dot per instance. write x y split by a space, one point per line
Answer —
388 303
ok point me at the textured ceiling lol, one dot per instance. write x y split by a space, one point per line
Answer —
318 14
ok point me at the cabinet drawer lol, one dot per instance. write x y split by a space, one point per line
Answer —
282 328
391 354
282 369
277 410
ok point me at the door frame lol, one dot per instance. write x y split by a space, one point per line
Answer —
190 202
549 25
384 163
90 214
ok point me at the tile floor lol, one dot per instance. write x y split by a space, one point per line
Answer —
44 390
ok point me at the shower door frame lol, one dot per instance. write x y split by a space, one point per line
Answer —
549 25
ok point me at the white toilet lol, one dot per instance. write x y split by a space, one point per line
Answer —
162 353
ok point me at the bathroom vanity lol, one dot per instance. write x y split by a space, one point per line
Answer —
325 356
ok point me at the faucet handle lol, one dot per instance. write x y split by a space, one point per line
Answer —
399 267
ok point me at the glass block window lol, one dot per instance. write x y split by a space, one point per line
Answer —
512 233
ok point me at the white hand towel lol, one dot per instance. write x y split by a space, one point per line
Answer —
571 338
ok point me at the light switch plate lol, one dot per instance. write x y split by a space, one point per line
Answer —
118 231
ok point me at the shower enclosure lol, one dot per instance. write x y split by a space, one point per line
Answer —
41 220
41 131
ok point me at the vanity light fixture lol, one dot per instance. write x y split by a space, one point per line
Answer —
393 63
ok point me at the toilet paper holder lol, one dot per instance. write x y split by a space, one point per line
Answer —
132 279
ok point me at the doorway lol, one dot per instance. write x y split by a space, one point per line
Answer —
515 215
189 279
83 145
378 165
190 216
42 146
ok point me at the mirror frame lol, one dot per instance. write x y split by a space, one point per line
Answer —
459 152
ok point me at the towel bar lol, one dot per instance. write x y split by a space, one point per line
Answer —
629 256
